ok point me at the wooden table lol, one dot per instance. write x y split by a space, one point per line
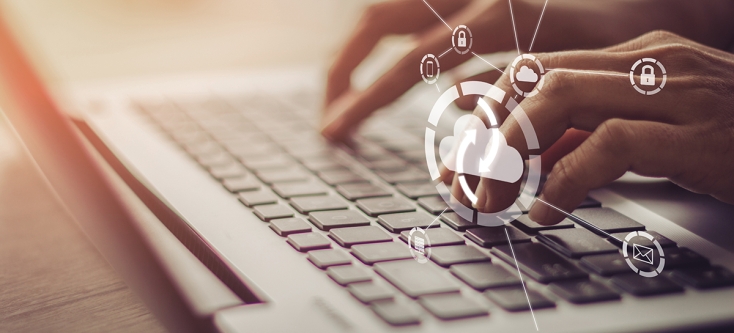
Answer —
51 278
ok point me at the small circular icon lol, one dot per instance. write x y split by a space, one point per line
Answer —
430 68
649 75
419 244
645 254
461 39
525 80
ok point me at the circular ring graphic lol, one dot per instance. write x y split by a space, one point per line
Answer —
532 180
539 78
420 245
430 68
661 264
650 75
460 41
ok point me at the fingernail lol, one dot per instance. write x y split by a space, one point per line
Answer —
540 213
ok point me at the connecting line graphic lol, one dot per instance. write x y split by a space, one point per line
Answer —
437 88
576 219
444 52
437 217
538 26
587 72
512 15
439 16
488 63
521 280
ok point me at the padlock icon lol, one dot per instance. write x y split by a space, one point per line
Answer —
647 78
462 39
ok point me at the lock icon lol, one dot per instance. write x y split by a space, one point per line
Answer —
462 39
647 78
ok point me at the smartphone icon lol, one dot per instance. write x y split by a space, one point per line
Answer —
429 68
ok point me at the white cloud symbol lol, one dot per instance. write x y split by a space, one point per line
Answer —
527 75
506 165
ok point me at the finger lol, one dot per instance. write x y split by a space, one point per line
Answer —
570 140
379 20
617 146
469 103
340 120
581 100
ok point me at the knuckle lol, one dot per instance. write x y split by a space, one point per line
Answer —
614 136
557 85
566 171
661 36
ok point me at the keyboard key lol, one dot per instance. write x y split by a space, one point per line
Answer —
283 176
203 148
459 254
397 314
269 162
405 221
437 237
704 277
416 279
327 258
457 222
484 275
492 236
434 205
372 253
321 164
233 170
682 257
241 184
290 190
305 205
361 191
378 206
527 225
611 264
285 227
539 262
347 237
388 164
452 306
345 275
513 299
337 219
252 199
217 159
642 286
608 220
270 212
576 242
337 177
404 175
664 241
369 292
417 190
308 241
589 203
585 291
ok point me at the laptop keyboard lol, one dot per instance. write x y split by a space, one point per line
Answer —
351 210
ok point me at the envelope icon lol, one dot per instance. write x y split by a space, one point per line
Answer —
642 253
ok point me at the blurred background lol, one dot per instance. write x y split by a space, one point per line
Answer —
81 40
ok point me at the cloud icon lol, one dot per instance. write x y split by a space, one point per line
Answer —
527 75
477 141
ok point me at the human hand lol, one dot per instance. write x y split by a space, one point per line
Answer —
684 133
491 22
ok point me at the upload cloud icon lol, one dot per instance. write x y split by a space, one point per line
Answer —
486 153
527 75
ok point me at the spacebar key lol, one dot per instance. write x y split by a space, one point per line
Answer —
416 279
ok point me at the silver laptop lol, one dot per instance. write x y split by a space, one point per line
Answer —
292 233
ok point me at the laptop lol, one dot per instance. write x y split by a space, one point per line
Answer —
261 225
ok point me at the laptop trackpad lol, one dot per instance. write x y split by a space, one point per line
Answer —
698 213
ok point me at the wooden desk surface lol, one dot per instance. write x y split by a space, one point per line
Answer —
51 278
